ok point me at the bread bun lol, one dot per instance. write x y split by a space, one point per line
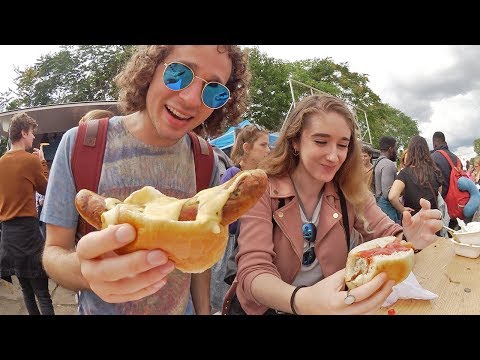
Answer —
386 254
193 232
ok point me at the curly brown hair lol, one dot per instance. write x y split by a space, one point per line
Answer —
19 122
135 78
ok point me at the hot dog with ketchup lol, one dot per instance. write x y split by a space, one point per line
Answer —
388 254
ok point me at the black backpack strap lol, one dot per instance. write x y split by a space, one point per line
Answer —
346 225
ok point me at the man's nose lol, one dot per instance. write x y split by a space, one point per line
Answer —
193 93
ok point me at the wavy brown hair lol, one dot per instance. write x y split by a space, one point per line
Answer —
135 78
420 161
350 176
248 135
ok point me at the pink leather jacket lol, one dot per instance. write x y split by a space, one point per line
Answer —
278 250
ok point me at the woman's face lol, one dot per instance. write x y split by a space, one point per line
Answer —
174 113
323 146
259 149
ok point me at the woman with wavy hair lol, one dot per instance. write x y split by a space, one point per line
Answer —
420 178
293 245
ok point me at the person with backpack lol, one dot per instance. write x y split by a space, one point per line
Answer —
443 163
420 178
150 145
293 243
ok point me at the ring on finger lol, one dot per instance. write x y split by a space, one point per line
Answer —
349 299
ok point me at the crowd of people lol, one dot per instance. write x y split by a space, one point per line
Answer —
286 255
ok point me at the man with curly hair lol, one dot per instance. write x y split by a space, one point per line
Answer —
165 92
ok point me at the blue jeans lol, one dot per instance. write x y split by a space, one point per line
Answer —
388 209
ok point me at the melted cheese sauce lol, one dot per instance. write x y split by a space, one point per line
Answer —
157 207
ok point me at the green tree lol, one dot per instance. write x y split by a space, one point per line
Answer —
271 97
476 146
73 74
386 120
85 73
5 97
269 93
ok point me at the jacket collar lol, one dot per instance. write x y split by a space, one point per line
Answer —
282 187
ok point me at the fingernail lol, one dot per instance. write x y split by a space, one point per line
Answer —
124 234
169 267
156 257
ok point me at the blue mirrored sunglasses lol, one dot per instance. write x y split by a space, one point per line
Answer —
178 76
309 233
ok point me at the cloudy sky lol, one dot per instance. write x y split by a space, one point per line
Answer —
439 86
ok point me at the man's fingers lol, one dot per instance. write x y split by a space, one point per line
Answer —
97 243
126 266
119 298
133 283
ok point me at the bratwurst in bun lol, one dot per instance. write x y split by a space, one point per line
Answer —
193 232
388 254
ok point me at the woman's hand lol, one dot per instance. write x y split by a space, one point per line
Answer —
120 278
328 296
420 229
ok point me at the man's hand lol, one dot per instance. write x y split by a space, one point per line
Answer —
39 153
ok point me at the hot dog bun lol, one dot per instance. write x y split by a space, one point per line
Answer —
193 232
387 254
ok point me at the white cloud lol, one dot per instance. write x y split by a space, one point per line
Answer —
436 85
19 56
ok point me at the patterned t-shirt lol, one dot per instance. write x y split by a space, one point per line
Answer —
128 165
